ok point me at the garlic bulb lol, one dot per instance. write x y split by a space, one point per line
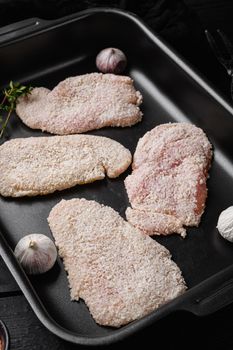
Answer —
225 224
36 253
111 60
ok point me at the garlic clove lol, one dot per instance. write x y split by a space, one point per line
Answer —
111 60
225 224
36 253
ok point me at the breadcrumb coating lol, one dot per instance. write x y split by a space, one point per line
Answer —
82 103
167 188
120 273
41 165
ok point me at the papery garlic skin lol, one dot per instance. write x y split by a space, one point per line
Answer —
111 60
225 224
36 253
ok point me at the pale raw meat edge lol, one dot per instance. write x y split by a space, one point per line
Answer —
82 103
120 273
167 188
41 165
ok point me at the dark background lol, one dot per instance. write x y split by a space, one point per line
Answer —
183 28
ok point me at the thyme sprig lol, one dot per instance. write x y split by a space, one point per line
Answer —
10 95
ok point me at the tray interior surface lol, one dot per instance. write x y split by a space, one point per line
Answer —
170 95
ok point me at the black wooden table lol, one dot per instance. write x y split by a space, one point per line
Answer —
180 330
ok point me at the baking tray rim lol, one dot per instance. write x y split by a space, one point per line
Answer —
177 304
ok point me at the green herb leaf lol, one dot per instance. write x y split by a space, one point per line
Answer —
10 96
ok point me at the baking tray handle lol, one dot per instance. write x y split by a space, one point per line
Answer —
213 294
16 30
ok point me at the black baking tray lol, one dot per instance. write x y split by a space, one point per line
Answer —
42 53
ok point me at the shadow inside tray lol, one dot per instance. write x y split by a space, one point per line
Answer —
49 276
